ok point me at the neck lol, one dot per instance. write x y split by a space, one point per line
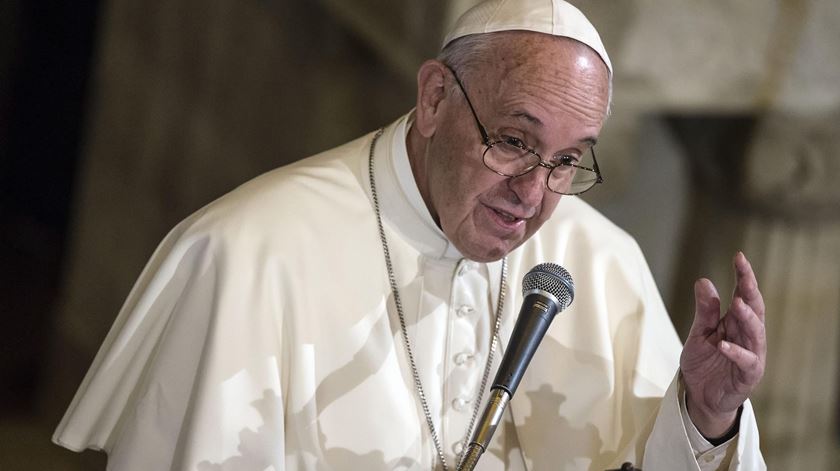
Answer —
417 146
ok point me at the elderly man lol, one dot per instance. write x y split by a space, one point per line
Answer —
344 312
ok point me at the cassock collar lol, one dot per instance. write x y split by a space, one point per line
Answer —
399 198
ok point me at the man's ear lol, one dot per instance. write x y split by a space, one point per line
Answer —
431 93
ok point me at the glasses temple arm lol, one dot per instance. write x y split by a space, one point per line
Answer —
485 138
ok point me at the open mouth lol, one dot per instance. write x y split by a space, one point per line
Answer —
505 219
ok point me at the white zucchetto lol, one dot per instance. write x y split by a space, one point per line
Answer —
554 17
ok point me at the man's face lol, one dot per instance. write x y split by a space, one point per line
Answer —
550 93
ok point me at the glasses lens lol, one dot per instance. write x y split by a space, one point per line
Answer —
580 181
574 179
509 160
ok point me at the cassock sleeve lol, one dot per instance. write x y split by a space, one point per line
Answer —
668 446
190 373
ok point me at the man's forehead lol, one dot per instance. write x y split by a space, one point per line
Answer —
520 48
553 78
519 59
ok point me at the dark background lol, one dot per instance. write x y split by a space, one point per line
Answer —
46 60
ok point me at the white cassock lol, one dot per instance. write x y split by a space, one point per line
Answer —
263 335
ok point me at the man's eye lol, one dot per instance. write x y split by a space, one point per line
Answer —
514 142
567 160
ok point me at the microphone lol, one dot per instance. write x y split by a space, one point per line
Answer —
547 289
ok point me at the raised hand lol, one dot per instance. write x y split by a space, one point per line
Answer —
724 357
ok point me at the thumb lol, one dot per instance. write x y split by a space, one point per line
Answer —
706 308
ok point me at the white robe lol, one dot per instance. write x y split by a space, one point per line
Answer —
262 334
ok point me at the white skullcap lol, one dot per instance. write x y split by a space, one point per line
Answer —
554 17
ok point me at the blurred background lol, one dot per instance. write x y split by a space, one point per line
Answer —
119 118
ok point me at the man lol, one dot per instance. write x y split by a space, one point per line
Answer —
340 313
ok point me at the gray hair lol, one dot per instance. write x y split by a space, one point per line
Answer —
465 54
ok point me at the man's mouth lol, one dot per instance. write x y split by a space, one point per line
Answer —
506 216
505 219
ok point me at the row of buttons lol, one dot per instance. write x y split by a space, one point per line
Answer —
464 359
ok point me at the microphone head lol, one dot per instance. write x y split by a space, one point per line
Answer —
552 279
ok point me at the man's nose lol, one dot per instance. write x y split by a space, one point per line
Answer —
531 187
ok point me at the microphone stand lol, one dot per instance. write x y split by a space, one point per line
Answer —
496 404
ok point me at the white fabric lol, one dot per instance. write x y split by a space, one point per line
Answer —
262 335
705 453
554 17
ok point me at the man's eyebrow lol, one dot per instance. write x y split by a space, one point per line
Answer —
527 117
524 115
590 140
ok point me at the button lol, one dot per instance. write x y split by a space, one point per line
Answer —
459 404
466 266
458 447
463 357
464 309
709 458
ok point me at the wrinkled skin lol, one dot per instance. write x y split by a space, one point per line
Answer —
549 92
723 359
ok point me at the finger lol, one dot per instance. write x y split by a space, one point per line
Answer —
750 328
746 286
706 308
747 362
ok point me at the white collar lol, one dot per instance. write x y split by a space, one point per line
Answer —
399 198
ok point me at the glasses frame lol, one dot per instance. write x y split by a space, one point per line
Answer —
485 139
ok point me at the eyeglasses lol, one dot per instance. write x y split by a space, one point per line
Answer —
510 157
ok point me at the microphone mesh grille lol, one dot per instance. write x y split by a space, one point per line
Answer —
551 278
